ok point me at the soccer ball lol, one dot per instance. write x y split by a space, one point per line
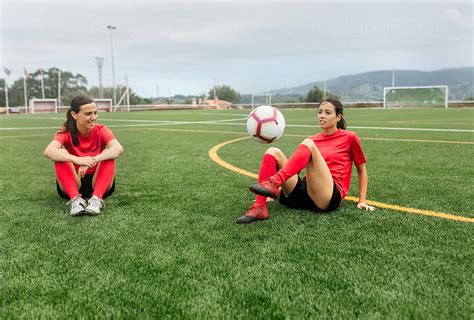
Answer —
265 124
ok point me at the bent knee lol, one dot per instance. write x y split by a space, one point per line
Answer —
274 151
309 143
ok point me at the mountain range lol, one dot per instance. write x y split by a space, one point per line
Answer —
369 86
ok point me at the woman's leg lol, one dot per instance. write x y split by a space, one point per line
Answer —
286 176
273 159
103 178
281 160
318 177
319 181
68 179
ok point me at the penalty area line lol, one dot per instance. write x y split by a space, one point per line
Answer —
213 154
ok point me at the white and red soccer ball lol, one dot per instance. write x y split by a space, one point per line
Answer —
265 124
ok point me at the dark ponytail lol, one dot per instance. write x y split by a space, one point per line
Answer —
341 124
70 124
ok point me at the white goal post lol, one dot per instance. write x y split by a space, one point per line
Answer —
43 106
103 104
268 99
415 96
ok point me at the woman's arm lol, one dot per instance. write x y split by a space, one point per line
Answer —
114 150
55 151
363 182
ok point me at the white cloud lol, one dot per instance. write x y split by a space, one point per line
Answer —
252 46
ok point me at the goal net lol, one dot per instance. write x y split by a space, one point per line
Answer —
43 106
415 97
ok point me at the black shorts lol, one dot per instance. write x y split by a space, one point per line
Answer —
86 189
300 199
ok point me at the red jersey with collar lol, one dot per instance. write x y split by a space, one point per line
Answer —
339 150
90 146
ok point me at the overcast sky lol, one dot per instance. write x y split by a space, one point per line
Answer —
184 47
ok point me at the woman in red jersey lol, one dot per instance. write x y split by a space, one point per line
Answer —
83 153
327 158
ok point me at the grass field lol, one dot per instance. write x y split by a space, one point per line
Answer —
166 246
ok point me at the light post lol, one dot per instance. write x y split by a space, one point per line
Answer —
99 61
112 28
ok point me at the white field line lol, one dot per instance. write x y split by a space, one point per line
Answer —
376 128
227 122
148 124
168 113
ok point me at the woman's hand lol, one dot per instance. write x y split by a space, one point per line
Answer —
363 205
86 161
82 171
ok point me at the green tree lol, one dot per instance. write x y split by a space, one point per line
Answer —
224 92
71 85
316 95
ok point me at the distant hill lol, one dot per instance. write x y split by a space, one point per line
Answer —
369 86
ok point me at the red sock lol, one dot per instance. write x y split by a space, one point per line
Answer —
66 178
105 175
267 169
297 162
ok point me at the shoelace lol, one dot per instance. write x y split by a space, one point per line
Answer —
97 202
76 198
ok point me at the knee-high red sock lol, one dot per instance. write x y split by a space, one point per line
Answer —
295 164
105 175
267 169
66 178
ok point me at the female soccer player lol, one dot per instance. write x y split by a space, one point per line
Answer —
327 157
83 153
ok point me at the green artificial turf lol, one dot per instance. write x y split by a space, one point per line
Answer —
166 245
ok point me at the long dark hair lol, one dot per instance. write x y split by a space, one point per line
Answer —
70 124
341 124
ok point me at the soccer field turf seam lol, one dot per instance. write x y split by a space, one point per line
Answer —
215 157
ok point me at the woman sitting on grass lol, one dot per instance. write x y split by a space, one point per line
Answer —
327 157
83 153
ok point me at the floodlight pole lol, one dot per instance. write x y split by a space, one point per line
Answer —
112 28
100 61
25 94
42 83
59 87
324 95
6 96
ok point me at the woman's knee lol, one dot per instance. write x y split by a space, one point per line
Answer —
309 143
274 151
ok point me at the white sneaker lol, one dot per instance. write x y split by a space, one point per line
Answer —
77 205
94 205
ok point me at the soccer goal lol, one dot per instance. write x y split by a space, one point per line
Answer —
43 105
261 100
415 97
103 104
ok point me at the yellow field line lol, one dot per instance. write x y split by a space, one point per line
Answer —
215 157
